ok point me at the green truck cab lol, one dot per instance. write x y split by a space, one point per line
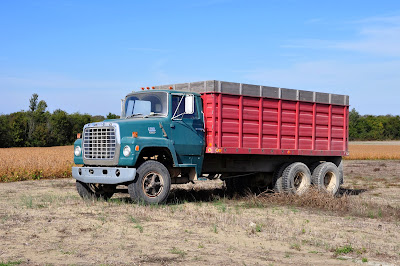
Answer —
158 140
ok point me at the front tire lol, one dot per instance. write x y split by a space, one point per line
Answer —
95 191
152 185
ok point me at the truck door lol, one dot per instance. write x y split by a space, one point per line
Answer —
187 130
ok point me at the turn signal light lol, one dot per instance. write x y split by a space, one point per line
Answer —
137 148
134 134
78 136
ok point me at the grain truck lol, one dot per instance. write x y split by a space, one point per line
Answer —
250 136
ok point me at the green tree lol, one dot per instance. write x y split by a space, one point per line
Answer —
354 124
41 136
78 121
112 116
39 128
33 101
5 132
392 127
19 129
61 128
97 118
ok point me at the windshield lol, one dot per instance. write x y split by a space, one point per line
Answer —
146 104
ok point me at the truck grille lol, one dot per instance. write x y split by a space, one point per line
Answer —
99 143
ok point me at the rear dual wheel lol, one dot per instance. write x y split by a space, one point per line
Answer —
294 178
278 177
327 177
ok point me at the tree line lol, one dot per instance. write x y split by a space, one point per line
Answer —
371 127
37 127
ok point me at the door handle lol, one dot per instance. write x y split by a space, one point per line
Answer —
200 129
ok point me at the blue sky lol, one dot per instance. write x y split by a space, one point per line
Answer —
84 56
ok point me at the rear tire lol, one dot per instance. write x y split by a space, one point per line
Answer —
326 177
341 176
278 177
152 185
95 191
296 179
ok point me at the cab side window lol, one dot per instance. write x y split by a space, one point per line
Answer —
179 100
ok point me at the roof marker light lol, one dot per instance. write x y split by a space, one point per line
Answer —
148 88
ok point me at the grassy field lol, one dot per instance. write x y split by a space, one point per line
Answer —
374 151
45 222
19 164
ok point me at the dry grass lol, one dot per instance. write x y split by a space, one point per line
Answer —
344 205
18 164
373 152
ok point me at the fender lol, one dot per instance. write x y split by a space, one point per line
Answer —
145 142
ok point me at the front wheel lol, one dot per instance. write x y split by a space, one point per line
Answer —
152 184
89 190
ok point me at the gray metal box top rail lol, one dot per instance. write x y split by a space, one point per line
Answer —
258 90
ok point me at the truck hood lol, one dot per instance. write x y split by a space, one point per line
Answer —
145 127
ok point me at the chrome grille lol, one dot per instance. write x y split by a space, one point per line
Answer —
99 143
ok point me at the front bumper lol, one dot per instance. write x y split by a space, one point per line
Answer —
103 175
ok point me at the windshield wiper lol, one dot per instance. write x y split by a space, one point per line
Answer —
153 114
132 115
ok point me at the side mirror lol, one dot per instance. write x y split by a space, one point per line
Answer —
122 108
189 104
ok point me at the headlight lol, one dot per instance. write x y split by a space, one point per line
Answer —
127 151
78 150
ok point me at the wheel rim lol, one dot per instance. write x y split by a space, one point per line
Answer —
330 181
300 182
153 184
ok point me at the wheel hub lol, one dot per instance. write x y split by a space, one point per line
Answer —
153 184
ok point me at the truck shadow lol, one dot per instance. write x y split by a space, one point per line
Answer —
181 195
351 192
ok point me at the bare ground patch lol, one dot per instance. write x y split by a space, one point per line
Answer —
45 222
